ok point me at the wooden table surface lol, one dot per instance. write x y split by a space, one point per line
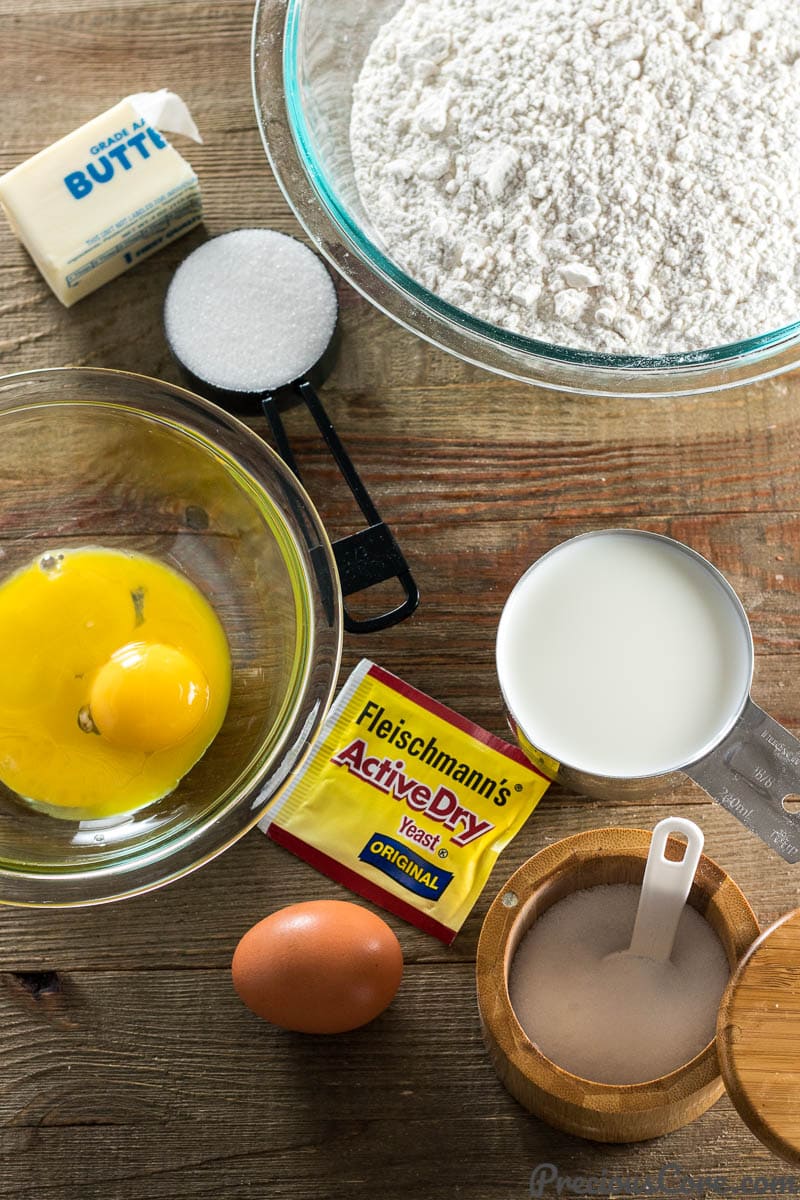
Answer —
128 1068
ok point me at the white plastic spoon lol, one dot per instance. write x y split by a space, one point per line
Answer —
665 887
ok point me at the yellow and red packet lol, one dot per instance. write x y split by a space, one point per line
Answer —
405 802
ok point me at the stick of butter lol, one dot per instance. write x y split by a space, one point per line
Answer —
104 197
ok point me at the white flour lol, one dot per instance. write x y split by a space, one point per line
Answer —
619 175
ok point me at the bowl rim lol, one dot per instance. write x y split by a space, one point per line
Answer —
260 781
311 196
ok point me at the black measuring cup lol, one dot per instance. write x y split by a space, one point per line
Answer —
251 317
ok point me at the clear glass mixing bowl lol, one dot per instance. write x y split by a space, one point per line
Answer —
306 56
102 458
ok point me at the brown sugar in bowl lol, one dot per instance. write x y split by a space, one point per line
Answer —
599 1111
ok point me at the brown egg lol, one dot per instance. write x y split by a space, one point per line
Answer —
324 966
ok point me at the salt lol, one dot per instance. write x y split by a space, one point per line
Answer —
603 1014
250 311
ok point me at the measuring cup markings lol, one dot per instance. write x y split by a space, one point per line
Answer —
751 772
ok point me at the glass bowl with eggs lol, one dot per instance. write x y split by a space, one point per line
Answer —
484 179
170 633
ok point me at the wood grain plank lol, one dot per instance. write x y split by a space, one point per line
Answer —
196 922
312 1116
470 468
130 1071
466 569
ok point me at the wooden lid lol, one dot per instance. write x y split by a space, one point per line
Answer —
758 1037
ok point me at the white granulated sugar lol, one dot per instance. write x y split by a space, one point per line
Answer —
606 1015
251 310
613 175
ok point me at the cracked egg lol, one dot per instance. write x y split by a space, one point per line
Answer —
115 676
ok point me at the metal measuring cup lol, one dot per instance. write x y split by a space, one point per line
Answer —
750 769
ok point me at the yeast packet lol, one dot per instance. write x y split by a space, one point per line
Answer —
405 802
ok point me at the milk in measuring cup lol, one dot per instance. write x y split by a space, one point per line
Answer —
622 654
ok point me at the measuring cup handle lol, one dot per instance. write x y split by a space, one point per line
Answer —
751 773
371 555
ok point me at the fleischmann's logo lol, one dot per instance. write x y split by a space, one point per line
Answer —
401 737
438 804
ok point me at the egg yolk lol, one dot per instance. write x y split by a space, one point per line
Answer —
115 676
148 697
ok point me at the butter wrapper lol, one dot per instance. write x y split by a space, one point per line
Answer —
105 196
405 802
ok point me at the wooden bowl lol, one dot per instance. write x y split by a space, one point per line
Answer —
600 1111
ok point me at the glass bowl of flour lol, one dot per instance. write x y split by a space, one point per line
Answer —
600 196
